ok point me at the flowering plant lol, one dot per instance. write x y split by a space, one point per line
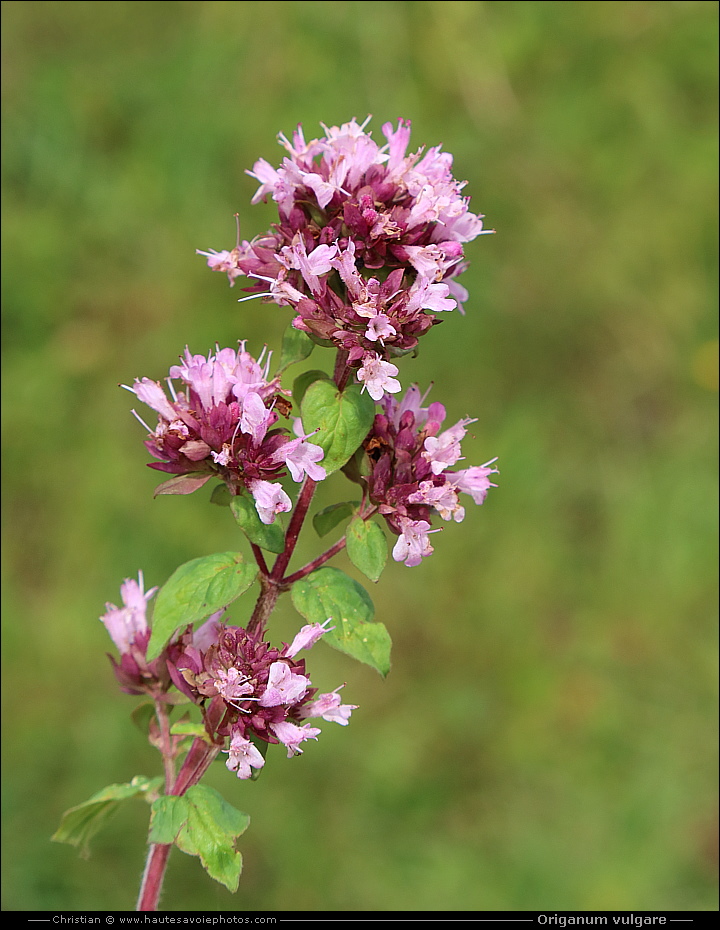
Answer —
366 252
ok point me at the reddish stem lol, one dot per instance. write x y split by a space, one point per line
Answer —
196 763
153 876
260 558
316 563
342 369
293 530
264 606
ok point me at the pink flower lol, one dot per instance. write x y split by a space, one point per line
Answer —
223 261
256 418
232 684
318 262
284 686
377 376
413 544
329 707
301 458
270 499
424 295
341 196
379 328
125 624
243 756
474 481
307 637
291 735
444 450
207 633
152 394
442 497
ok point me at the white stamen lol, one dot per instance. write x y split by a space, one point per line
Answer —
253 296
142 422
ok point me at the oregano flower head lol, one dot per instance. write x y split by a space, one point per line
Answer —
368 246
411 459
254 691
224 424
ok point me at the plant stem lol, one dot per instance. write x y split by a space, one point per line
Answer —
293 530
316 563
271 584
153 876
260 558
264 605
196 763
161 712
342 369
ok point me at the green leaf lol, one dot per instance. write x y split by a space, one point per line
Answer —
221 495
369 643
303 382
188 728
183 484
267 536
367 547
203 824
169 815
296 346
80 824
328 518
196 590
342 418
330 593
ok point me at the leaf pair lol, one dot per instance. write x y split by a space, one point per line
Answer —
200 823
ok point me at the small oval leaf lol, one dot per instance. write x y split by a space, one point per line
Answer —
303 382
79 824
330 593
296 346
194 591
328 518
367 547
267 536
342 420
202 824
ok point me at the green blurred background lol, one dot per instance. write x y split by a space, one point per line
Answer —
546 739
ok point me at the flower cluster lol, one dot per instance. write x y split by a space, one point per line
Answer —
411 472
129 630
368 247
247 688
222 424
254 690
